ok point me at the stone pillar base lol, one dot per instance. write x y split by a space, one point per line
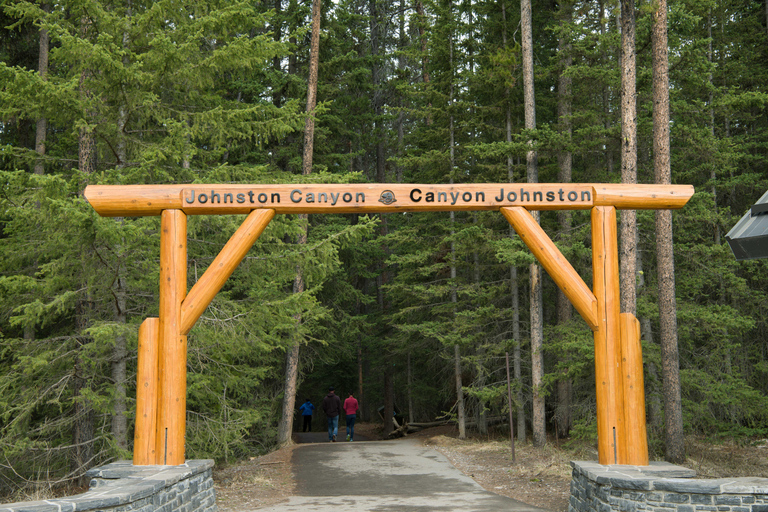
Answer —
661 487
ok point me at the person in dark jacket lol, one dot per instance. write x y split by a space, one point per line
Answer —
332 409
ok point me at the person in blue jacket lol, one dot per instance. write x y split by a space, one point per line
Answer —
306 412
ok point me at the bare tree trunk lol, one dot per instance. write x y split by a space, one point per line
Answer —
673 438
536 296
514 285
83 427
86 147
563 413
378 94
285 427
409 383
42 122
402 42
713 172
120 352
460 411
609 164
482 417
363 413
119 356
389 402
83 430
314 62
456 350
422 21
628 257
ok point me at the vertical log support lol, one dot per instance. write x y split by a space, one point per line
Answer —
611 432
634 391
161 389
145 433
172 367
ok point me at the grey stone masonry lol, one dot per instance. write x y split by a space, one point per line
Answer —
661 487
123 487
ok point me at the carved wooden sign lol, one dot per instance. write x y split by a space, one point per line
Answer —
222 199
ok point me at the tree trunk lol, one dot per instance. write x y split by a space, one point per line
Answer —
609 163
563 413
482 417
628 258
86 147
452 156
673 428
119 355
536 296
42 122
389 401
314 61
513 282
277 34
401 66
537 357
120 352
713 172
409 383
285 427
378 93
422 21
361 397
83 431
460 411
83 428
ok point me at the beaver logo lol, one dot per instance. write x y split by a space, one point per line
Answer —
387 197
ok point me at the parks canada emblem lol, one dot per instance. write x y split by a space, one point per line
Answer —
387 197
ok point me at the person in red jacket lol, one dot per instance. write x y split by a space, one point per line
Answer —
350 409
332 409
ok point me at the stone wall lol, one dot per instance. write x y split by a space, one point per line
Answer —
661 487
121 486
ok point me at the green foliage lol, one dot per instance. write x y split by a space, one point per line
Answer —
214 92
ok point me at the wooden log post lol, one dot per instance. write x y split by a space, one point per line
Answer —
611 431
172 376
145 433
634 391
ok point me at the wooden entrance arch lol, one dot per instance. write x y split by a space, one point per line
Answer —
161 378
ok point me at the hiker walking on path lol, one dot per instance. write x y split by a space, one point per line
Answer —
332 409
350 409
306 412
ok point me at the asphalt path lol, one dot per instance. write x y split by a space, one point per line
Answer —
385 476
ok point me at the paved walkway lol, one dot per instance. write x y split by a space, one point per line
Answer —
385 476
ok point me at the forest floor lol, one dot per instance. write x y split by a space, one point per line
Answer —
538 476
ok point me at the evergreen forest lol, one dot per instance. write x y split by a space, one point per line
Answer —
416 313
